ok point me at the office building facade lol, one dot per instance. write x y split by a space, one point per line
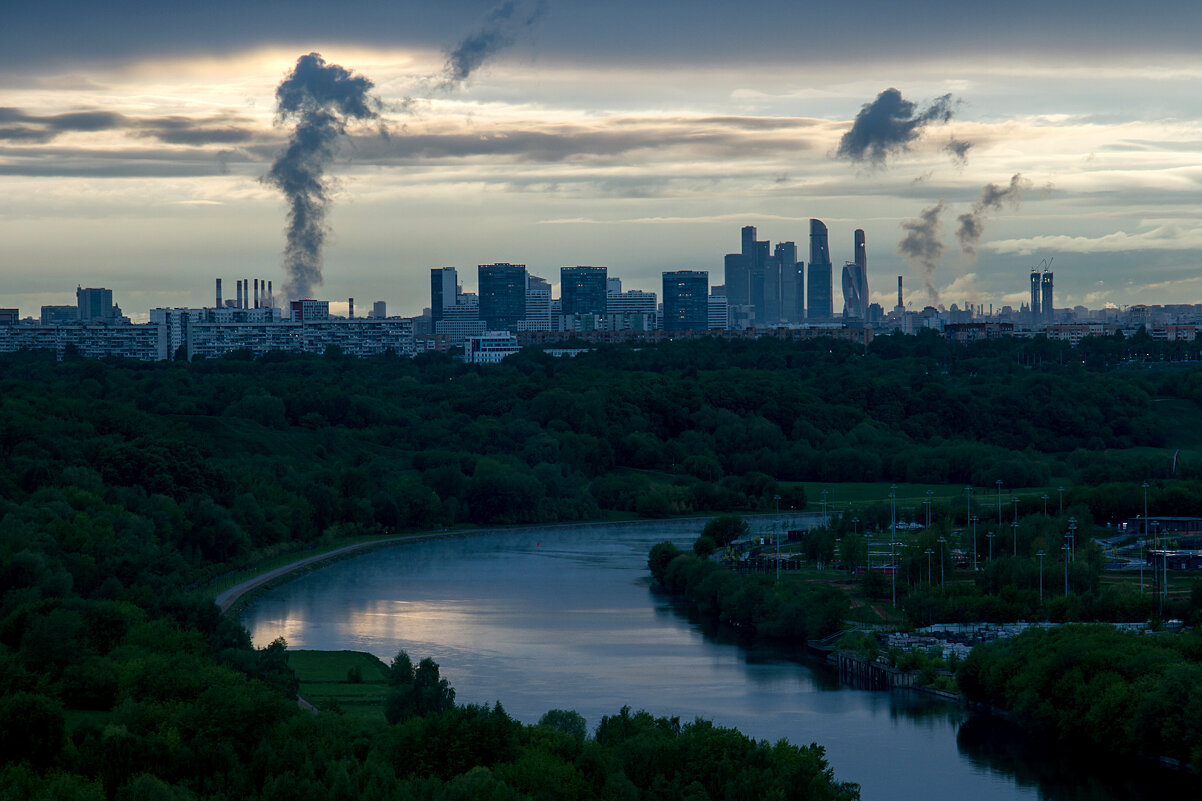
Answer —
583 290
502 290
820 301
444 290
686 300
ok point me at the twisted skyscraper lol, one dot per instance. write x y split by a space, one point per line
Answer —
855 282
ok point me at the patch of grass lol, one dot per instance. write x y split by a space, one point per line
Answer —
1180 416
332 666
325 681
840 496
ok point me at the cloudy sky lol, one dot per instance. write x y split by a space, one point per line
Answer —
135 138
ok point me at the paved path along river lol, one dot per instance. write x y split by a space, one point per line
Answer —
566 618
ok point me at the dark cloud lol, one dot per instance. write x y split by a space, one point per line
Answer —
499 30
64 162
176 130
888 125
199 135
958 148
993 198
922 247
608 141
321 99
548 144
684 32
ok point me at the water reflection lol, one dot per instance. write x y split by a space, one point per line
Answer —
1062 774
542 619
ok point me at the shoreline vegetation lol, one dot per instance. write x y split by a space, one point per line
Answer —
127 489
1081 686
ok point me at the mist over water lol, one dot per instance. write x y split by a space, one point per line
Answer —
567 618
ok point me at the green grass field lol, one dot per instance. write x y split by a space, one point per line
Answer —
325 683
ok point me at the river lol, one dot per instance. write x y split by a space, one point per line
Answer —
566 618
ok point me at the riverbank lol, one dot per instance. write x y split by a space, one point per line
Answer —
234 598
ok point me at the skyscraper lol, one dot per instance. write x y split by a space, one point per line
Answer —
444 289
1035 295
1046 306
686 300
735 276
855 282
94 304
582 290
502 289
862 263
820 307
792 283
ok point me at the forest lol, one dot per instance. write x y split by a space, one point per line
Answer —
1096 688
127 488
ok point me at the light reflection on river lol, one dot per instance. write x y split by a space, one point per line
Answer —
565 618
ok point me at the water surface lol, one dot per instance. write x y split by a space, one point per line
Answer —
566 618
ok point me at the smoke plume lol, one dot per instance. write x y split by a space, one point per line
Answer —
888 125
499 30
958 149
993 198
922 247
321 98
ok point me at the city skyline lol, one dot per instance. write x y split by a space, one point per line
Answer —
133 148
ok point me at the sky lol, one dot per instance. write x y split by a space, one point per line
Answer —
140 145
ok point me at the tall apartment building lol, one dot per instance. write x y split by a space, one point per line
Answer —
444 290
686 300
583 290
502 289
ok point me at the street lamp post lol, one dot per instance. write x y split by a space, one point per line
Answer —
999 503
968 512
942 547
974 542
929 499
1040 555
1045 504
990 537
893 539
1072 539
928 552
1061 490
855 523
1015 527
1014 535
1065 548
777 536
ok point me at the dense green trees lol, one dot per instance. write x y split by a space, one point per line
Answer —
1095 687
790 609
127 487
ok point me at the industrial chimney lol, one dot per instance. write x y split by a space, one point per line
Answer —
350 308
270 297
218 305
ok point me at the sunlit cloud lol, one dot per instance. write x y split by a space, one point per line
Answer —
1161 237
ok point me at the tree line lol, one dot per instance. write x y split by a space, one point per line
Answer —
126 487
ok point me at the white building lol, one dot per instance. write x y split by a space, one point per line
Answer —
141 342
490 347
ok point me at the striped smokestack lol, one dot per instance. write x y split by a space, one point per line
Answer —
218 304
